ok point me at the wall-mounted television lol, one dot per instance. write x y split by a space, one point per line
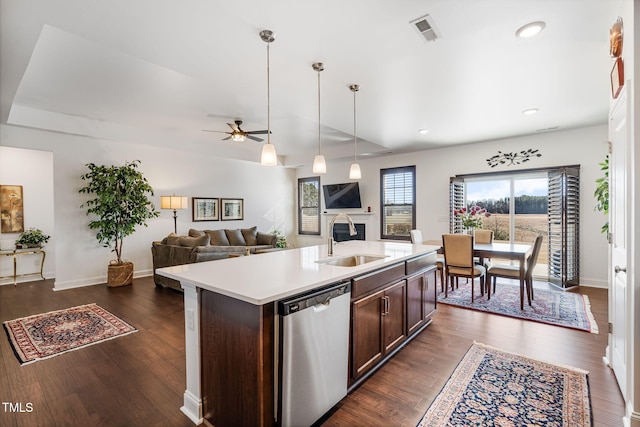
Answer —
342 196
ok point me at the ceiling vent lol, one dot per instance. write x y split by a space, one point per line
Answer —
426 27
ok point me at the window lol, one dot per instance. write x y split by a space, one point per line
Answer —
398 202
309 205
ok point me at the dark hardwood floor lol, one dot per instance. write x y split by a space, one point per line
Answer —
139 379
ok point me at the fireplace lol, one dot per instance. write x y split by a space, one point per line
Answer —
341 232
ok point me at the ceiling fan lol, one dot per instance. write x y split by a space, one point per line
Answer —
237 134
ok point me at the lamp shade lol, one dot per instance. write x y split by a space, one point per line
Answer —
354 172
319 164
173 202
269 156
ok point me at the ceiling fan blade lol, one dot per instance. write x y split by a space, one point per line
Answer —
216 131
255 138
234 127
226 139
259 131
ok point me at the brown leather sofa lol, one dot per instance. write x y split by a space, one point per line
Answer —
206 245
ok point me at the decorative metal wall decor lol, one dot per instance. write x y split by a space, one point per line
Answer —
514 158
11 209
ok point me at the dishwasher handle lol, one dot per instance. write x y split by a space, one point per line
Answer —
318 300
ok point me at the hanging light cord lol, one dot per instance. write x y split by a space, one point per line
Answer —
355 140
319 111
268 99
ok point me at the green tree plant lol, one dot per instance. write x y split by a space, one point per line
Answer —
602 193
120 202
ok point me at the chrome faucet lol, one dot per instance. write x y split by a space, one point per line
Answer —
352 229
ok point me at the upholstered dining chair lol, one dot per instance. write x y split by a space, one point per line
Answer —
458 252
513 272
483 237
416 237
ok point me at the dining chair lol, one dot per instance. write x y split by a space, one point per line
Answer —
483 237
416 237
458 252
513 272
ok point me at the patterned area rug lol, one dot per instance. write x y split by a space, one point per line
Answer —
46 335
491 387
568 309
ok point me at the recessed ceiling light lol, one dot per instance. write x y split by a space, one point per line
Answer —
423 131
530 111
530 29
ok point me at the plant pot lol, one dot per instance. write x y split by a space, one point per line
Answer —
120 274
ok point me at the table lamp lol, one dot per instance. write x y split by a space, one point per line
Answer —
173 202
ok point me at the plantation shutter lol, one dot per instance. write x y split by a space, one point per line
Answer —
564 226
456 202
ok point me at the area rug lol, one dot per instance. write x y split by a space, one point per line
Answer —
50 334
490 387
567 309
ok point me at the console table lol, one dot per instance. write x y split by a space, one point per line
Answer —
18 252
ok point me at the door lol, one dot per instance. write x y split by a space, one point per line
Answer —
367 333
619 138
394 315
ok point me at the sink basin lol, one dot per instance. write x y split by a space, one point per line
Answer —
351 260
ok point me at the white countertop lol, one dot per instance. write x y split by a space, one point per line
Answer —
264 278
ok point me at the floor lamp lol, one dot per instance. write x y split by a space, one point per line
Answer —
173 202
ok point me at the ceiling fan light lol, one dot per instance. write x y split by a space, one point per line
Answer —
319 164
269 156
237 137
354 171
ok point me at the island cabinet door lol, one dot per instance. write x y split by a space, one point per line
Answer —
394 316
367 348
421 299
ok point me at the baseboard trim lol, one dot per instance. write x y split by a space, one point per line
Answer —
91 281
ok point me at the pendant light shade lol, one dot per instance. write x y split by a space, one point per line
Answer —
319 163
354 171
269 156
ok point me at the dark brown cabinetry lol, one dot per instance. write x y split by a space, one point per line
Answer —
421 299
378 326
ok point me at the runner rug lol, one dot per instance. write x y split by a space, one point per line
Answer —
491 387
46 335
568 309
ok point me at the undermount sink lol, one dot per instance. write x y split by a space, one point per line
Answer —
352 260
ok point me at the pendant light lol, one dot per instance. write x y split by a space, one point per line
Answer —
354 172
269 156
319 164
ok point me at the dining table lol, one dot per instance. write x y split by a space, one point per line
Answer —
519 252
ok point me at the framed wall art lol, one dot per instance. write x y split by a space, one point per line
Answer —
11 209
206 209
617 78
232 209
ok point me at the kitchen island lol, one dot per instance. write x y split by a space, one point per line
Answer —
231 337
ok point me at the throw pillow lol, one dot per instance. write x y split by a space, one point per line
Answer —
250 235
266 239
218 237
173 239
194 241
196 233
235 237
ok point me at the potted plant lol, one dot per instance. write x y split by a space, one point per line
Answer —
32 238
120 204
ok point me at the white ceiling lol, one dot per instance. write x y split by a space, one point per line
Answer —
159 71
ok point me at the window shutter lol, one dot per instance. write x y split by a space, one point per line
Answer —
456 202
564 226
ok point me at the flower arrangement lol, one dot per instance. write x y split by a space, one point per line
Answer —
472 217
33 237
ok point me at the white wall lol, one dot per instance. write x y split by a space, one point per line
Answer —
33 170
268 193
585 147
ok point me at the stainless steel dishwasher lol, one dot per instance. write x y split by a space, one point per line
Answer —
314 354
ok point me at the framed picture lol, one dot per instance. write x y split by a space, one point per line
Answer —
11 209
617 78
232 209
206 209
